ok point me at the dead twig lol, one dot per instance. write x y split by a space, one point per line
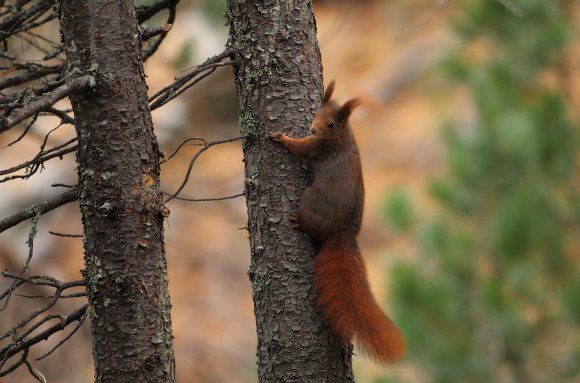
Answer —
181 84
38 162
65 235
205 145
21 344
46 101
208 199
146 12
38 208
152 48
152 32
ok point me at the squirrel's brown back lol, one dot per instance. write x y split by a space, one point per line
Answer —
337 192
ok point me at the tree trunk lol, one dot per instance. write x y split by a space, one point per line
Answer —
279 84
120 197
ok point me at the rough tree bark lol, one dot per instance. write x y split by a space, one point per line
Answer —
279 84
120 197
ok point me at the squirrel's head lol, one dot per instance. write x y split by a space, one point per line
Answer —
331 120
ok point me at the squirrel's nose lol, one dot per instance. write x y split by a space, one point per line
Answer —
313 130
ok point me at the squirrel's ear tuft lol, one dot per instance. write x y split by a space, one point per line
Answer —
328 92
347 108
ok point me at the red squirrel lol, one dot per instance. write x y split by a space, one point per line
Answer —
330 212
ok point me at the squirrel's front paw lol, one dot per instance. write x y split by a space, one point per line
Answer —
295 220
276 136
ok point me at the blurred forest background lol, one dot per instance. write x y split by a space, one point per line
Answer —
469 136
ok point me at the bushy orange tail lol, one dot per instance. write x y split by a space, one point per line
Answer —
340 278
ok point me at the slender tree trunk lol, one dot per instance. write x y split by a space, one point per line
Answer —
120 198
279 83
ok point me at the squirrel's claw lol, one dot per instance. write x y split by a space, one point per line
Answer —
276 136
295 220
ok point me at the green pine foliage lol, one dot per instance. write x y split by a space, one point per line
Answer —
398 211
494 293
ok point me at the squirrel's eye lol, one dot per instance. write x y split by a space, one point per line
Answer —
331 124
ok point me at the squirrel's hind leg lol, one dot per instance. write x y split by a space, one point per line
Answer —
295 220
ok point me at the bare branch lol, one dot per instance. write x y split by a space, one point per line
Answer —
59 287
152 48
17 99
65 118
46 101
208 199
25 344
41 151
148 11
63 296
44 280
38 161
174 93
20 279
30 241
33 43
206 145
50 42
182 144
11 22
15 365
30 74
31 24
151 32
22 335
8 293
74 330
65 235
38 208
186 81
56 185
26 129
